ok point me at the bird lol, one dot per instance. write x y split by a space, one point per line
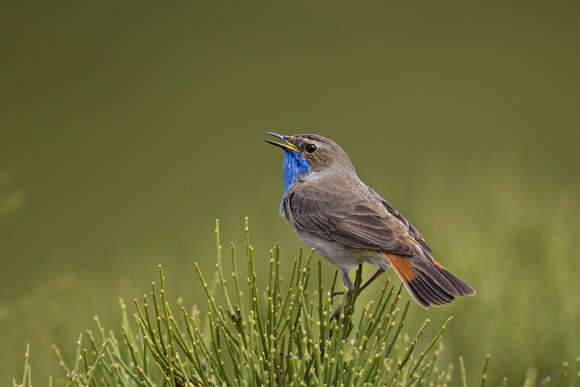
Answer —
348 223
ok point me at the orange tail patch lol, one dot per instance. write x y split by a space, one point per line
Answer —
403 267
428 281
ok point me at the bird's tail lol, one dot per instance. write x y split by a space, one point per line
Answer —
428 281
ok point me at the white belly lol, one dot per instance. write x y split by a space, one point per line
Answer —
341 255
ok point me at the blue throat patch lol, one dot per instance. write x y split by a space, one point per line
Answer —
295 166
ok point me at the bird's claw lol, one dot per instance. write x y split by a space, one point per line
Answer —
335 314
349 293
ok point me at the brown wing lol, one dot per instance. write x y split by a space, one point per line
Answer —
337 216
412 230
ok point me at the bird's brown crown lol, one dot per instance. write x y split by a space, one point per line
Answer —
320 152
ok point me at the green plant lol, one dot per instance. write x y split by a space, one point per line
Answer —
282 335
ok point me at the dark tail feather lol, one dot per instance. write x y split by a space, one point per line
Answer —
463 288
428 281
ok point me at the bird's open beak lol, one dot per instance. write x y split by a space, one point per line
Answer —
285 145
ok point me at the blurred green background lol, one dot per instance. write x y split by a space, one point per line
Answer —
127 128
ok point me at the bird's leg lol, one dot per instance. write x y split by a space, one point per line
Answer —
363 286
371 279
347 282
349 290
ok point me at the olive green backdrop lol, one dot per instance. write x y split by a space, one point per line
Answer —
127 128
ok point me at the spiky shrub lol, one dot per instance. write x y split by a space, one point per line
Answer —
284 335
281 335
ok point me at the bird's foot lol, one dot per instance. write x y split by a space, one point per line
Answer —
349 293
336 313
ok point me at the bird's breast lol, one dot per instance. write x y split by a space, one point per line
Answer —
340 254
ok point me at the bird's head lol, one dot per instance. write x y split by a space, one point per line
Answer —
319 153
307 153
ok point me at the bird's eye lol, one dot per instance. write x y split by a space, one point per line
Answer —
311 148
